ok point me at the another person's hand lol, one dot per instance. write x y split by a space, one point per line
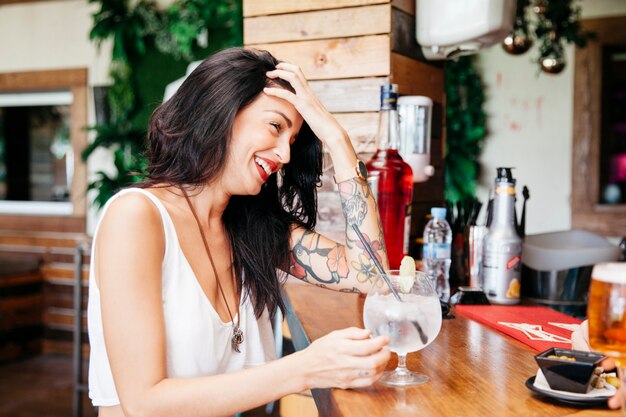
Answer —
346 358
580 341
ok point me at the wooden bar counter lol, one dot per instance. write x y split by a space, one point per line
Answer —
474 370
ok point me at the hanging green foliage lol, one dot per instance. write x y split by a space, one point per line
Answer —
466 128
142 34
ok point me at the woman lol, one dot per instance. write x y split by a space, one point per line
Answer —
186 269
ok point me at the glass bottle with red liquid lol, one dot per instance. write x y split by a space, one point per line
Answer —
392 179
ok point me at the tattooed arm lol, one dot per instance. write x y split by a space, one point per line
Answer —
314 258
321 261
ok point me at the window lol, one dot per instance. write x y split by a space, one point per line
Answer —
42 120
36 156
613 120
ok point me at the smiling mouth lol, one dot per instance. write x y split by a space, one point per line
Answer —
264 165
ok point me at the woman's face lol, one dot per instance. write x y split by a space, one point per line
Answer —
262 136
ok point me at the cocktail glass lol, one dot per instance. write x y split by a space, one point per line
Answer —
411 323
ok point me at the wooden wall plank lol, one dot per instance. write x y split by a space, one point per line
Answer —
64 347
604 223
62 296
268 7
350 95
361 128
330 220
62 319
46 254
407 6
403 38
20 302
43 80
5 2
417 78
36 241
339 23
23 279
59 270
40 239
72 224
365 56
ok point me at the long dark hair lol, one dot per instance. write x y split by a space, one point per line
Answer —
188 142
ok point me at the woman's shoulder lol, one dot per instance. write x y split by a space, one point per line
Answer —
134 201
133 208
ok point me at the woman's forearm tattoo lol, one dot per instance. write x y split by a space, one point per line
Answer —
308 252
354 194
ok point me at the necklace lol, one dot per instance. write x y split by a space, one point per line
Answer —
237 338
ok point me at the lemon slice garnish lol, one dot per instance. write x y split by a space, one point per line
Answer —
407 274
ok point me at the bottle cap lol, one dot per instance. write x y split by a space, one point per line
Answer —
438 212
505 175
388 96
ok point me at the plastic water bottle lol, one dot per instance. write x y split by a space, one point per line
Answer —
437 250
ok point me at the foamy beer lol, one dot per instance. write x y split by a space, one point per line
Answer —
606 310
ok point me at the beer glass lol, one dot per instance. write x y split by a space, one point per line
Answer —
606 313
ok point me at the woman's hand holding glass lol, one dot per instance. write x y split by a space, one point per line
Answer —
346 358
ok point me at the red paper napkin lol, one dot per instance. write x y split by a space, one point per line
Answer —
538 327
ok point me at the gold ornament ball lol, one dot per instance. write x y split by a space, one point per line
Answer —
517 44
540 6
552 65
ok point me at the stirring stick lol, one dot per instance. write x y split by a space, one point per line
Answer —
380 268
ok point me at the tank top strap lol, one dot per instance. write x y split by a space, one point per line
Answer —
168 224
162 210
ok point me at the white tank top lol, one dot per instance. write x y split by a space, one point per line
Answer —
198 341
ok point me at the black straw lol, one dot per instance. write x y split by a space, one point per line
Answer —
380 268
369 250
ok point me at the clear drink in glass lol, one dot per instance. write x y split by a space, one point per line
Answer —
411 323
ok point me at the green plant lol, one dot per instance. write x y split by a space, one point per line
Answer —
558 23
465 128
151 47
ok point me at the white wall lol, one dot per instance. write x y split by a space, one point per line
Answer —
51 35
530 119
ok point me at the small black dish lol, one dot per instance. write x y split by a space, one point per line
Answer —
568 399
470 295
568 375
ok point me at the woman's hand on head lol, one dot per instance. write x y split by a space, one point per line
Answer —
346 358
321 122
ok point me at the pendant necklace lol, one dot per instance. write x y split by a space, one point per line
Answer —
237 338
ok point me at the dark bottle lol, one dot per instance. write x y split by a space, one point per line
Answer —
393 178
